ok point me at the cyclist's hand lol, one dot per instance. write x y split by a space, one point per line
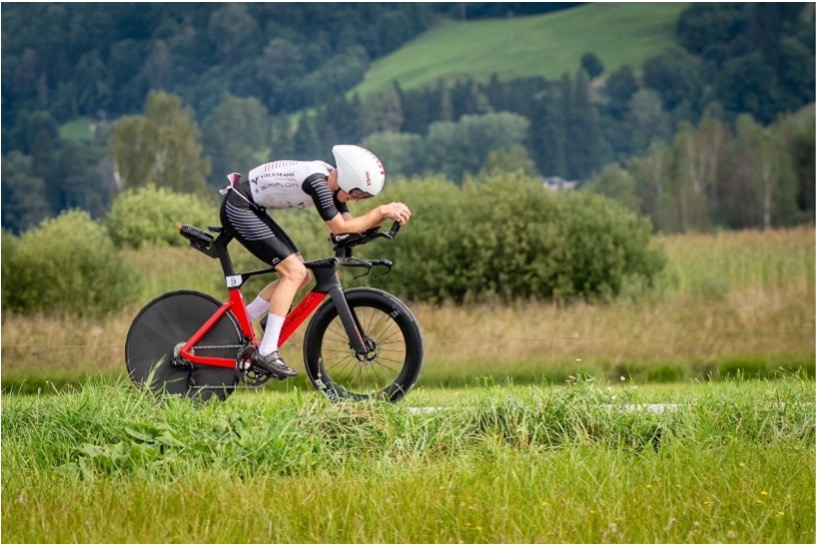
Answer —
398 212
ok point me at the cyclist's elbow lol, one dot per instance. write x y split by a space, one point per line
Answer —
338 225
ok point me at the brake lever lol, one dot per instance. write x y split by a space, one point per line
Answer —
387 264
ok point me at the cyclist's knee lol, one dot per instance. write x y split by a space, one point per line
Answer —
307 278
294 271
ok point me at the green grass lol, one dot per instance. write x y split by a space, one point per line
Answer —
546 45
732 462
79 129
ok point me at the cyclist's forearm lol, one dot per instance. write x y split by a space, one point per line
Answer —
346 223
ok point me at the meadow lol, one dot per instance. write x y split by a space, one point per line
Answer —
682 413
726 303
730 462
543 45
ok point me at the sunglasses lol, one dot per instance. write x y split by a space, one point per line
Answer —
360 194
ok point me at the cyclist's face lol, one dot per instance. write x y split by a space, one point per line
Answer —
343 196
354 195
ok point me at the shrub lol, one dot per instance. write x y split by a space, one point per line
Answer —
151 215
504 236
66 264
9 247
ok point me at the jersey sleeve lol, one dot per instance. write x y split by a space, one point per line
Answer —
328 206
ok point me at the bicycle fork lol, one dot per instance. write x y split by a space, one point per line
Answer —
327 282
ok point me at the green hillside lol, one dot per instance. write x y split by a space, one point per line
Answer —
544 45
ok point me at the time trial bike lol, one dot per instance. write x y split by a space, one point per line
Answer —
361 343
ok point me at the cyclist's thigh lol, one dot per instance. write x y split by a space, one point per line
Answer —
259 233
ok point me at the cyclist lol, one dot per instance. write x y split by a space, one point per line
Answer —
287 184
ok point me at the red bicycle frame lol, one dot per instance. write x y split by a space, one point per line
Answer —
236 305
327 283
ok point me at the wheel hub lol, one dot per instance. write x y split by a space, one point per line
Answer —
371 353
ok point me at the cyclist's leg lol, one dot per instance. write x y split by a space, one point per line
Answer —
265 239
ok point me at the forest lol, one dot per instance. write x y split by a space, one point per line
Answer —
717 133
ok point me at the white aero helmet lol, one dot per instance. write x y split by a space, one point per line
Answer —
360 172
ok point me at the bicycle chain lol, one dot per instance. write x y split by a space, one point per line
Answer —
257 379
209 347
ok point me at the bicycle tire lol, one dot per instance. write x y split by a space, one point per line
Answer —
390 370
165 323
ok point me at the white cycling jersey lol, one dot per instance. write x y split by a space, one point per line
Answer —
281 184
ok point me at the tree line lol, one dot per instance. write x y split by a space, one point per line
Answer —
743 67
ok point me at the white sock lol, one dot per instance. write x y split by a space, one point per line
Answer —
258 308
272 332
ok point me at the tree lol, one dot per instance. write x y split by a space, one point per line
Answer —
83 186
305 139
744 86
617 184
675 77
383 111
235 136
230 28
160 147
401 153
651 174
592 65
24 194
584 138
688 182
281 138
504 161
762 186
647 120
280 64
796 74
797 134
456 149
620 88
158 69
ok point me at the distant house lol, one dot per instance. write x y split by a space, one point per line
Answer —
557 183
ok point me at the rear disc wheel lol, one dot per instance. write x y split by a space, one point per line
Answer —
162 327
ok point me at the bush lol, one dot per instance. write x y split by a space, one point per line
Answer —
505 237
151 215
9 243
66 264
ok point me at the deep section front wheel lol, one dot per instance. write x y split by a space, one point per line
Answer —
159 331
394 359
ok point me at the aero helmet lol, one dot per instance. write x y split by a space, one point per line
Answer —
359 170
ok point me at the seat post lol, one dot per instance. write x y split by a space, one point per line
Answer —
220 245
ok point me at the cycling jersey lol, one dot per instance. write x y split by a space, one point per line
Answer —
276 185
289 184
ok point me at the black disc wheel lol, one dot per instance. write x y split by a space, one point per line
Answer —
394 356
159 331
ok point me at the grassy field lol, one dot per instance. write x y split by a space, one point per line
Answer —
642 420
730 462
729 302
546 45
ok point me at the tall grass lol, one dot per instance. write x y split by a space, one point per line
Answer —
729 302
731 462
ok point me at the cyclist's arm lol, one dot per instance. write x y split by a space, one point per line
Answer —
337 215
346 223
